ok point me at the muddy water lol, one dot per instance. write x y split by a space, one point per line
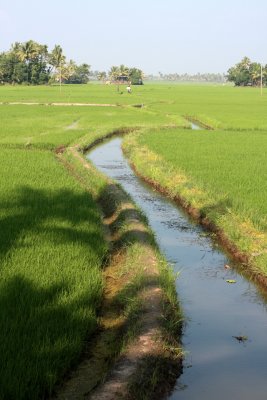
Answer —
216 365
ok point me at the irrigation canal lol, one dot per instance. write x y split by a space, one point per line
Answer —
217 365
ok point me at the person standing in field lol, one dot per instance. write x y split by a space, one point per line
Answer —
129 90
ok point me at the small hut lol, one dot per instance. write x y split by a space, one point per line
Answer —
122 79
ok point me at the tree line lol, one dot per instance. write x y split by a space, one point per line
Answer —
31 63
247 73
199 77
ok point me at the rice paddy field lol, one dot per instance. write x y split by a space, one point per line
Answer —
217 105
223 174
51 254
52 244
228 164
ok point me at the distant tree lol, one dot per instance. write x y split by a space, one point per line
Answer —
26 51
64 73
255 73
114 73
11 69
40 71
102 76
124 71
56 57
30 63
265 75
33 55
136 76
57 60
245 73
79 74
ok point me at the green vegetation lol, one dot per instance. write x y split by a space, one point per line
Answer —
186 78
222 174
30 63
248 73
230 165
52 245
133 75
134 274
221 107
51 252
47 127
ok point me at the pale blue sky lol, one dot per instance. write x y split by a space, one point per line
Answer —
155 35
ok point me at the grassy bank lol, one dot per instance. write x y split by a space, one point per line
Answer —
140 321
220 174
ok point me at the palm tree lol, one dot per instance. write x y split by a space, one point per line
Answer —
245 63
255 72
26 52
114 73
57 60
124 71
101 76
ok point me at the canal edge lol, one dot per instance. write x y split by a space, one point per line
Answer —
152 362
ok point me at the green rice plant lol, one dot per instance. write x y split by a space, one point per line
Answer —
51 242
46 127
220 106
220 173
51 254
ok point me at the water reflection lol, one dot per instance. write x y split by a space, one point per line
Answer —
216 365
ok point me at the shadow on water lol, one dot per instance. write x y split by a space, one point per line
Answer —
218 302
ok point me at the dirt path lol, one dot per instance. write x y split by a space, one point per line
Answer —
57 104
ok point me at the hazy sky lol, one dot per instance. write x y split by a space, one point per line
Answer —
154 35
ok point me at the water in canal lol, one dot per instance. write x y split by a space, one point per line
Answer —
217 365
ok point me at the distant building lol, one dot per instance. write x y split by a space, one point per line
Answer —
122 79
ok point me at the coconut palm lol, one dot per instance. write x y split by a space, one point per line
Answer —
57 60
114 73
26 52
124 71
255 73
56 57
